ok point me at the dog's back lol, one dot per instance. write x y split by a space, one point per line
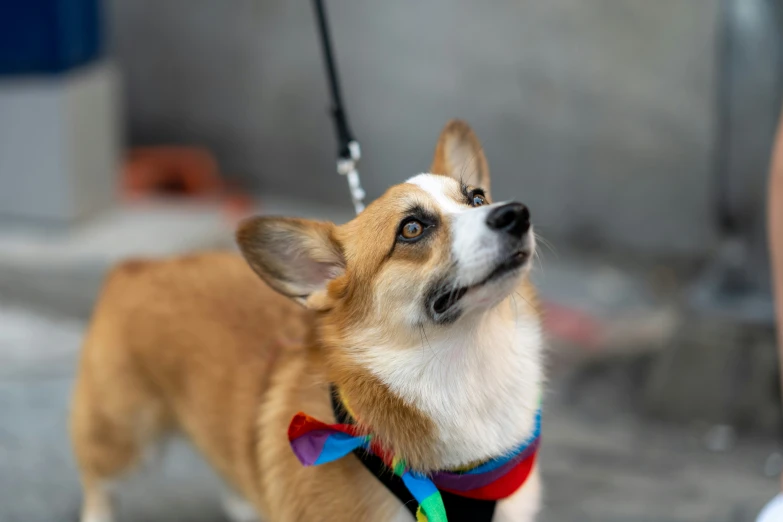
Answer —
175 344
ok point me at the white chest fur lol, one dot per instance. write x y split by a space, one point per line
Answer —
479 382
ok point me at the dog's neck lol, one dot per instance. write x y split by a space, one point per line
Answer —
463 394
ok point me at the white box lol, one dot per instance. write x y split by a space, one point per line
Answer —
59 145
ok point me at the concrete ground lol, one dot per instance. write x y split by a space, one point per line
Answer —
600 461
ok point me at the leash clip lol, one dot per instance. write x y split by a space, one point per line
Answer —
346 166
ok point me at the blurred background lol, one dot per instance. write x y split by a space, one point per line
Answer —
638 132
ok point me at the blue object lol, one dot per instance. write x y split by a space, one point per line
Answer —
48 36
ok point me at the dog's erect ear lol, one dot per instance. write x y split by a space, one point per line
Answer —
459 154
296 257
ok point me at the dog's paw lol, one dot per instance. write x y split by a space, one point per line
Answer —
238 509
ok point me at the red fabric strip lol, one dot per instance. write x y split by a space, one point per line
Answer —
302 424
503 487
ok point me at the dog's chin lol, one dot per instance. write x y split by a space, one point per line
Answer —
449 304
492 293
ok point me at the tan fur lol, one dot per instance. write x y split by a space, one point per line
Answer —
188 343
201 345
459 154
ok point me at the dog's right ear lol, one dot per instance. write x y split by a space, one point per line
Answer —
296 257
459 154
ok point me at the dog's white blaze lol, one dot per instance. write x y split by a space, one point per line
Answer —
437 187
474 246
478 380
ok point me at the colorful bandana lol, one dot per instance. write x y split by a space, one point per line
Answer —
314 443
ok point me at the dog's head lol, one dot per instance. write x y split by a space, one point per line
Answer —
416 306
431 251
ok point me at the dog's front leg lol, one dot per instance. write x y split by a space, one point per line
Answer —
522 506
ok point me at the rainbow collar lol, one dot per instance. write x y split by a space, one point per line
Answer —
442 496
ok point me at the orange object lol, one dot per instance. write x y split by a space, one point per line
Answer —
188 171
183 172
571 325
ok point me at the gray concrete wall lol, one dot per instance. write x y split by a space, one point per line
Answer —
597 113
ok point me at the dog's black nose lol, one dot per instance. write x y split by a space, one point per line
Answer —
513 218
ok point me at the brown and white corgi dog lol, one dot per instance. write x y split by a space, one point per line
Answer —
419 311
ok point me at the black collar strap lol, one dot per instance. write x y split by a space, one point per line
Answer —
458 509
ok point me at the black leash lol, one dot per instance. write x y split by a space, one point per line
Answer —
349 152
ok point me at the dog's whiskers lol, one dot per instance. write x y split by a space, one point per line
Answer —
546 243
525 300
424 338
516 311
537 258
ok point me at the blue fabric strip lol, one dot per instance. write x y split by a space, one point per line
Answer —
500 461
338 445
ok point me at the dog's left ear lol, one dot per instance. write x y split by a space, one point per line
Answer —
459 154
296 257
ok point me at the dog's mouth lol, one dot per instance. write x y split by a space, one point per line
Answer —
445 301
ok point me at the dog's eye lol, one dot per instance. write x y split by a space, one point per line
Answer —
411 229
477 199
